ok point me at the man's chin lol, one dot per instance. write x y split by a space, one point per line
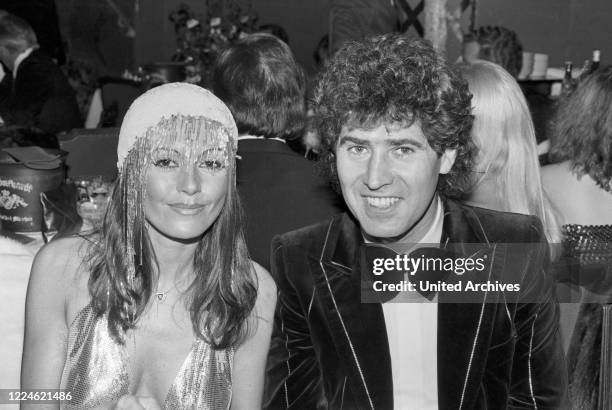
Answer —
382 235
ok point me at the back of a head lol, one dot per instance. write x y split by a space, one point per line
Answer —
504 134
502 123
264 87
16 34
583 128
276 30
498 45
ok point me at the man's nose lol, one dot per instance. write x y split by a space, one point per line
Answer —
189 180
378 173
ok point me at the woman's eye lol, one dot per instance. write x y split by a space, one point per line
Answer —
165 163
213 164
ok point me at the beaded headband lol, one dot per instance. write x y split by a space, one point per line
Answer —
173 110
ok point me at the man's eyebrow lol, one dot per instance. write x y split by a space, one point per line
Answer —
349 138
405 141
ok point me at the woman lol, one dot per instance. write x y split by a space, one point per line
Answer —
580 187
507 172
164 307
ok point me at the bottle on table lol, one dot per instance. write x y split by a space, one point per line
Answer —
587 68
596 59
568 82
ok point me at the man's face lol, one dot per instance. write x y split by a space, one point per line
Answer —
471 52
388 175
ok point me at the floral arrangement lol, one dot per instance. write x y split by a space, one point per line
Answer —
199 38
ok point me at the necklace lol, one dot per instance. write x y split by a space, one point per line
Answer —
160 297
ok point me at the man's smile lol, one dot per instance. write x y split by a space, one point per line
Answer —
381 202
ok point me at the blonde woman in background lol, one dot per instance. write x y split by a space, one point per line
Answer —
507 172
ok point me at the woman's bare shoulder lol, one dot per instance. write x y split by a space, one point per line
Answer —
555 172
62 254
266 287
61 265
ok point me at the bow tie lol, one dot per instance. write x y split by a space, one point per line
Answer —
384 271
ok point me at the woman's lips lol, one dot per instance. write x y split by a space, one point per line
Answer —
187 209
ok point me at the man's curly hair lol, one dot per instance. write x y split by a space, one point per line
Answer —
583 128
394 79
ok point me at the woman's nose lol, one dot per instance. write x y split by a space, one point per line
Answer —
189 180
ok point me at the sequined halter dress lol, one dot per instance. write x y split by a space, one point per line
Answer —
590 247
96 371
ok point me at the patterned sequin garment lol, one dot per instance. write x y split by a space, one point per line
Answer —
96 370
590 249
588 244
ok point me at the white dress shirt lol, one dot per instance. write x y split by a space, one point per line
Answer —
412 330
19 59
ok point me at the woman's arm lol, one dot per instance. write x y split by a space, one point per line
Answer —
250 358
45 339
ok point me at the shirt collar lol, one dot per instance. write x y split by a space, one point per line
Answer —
258 137
433 234
25 54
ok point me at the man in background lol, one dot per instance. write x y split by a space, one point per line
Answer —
264 87
496 44
35 92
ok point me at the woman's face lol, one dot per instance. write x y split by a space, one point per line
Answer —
185 191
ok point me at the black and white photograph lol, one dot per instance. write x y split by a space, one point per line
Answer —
294 205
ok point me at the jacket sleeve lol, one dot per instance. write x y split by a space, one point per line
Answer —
539 375
293 379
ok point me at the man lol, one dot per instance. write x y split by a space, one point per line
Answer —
497 44
395 123
502 46
36 94
351 20
264 87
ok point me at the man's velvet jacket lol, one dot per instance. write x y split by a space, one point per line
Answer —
329 350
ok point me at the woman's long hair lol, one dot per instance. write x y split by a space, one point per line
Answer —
124 266
583 128
505 136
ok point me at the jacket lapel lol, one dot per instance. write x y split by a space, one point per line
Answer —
360 335
465 329
358 328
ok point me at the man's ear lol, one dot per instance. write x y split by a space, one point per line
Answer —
447 160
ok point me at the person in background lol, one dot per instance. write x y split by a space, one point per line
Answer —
502 46
506 176
40 96
580 188
262 84
395 123
354 20
497 44
276 30
16 261
321 53
163 306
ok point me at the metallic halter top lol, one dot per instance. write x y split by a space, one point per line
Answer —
96 371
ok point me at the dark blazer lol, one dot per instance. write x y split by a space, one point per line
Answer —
40 97
280 191
331 351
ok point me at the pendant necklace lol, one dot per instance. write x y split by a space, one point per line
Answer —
160 297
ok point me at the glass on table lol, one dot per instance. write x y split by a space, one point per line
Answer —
92 199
